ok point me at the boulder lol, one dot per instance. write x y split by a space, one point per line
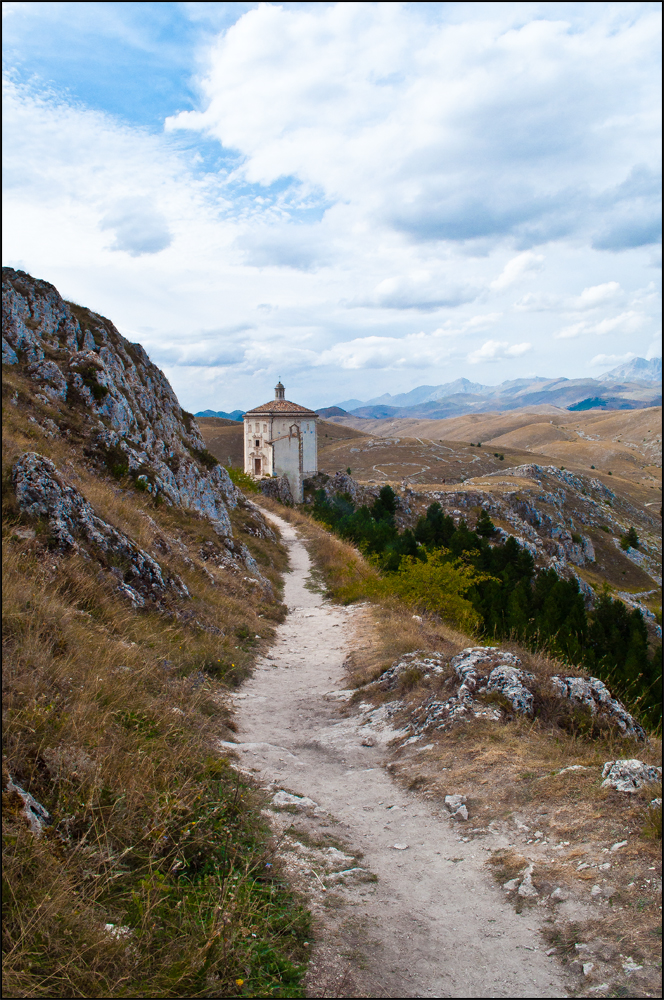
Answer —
278 488
594 694
629 775
42 492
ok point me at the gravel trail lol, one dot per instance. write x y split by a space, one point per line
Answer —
433 924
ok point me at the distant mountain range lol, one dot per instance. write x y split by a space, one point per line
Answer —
632 385
233 415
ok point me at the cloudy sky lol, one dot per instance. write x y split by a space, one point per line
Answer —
355 197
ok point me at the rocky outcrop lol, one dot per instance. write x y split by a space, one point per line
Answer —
78 361
41 492
492 683
629 775
595 695
425 664
277 488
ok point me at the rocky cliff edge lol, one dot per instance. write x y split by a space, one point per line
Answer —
134 424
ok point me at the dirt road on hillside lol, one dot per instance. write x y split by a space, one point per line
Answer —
419 919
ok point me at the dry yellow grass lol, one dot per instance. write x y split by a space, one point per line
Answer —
112 718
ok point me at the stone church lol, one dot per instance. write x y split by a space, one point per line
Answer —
280 439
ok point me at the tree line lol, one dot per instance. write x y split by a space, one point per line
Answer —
495 588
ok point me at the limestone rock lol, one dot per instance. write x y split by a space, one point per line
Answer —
508 681
33 811
283 799
42 492
426 663
278 488
595 695
456 804
135 420
629 775
527 890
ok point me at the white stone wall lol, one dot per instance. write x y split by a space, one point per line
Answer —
256 446
284 444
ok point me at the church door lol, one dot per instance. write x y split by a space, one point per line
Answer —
257 466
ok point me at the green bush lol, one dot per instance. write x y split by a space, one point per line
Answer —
242 480
630 540
437 585
205 457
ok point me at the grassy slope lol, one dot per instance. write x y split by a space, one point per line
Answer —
112 721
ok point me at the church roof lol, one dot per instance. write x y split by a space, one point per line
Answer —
281 406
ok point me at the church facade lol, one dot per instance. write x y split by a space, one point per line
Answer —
280 439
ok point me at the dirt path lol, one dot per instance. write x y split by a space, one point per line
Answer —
432 924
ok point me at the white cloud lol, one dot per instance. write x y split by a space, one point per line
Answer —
387 171
420 290
413 351
139 227
626 323
524 265
610 360
497 350
597 295
452 131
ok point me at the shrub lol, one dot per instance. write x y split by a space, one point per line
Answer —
116 461
242 480
438 585
630 540
485 526
205 457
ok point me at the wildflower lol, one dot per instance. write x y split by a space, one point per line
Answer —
239 982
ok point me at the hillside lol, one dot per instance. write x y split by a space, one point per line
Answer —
625 443
139 586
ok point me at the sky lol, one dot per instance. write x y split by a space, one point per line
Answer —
356 198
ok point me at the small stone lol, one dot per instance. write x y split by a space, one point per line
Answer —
282 799
616 847
511 885
588 968
400 847
527 889
631 966
596 891
559 895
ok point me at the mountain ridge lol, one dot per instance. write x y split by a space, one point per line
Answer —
632 385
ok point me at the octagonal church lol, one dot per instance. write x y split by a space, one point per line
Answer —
280 439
